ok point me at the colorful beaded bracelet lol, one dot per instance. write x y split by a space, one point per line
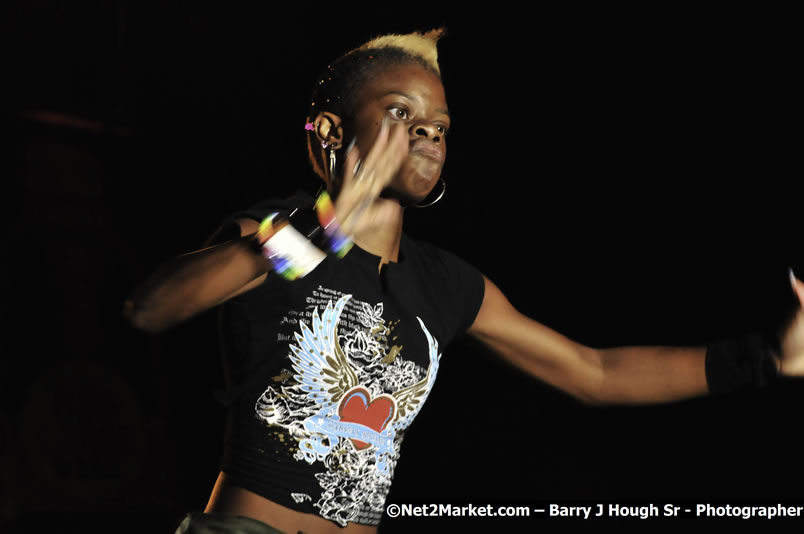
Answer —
337 242
292 255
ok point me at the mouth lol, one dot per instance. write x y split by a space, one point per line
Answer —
428 149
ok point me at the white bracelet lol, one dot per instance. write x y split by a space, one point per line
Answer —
288 251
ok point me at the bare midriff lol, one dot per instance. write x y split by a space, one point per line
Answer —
227 498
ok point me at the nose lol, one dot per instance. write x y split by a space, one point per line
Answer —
426 130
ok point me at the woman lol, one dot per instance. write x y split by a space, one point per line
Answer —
331 356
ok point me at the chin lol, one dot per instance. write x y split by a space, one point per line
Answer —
413 186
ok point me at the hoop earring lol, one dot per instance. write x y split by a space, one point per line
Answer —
332 163
440 195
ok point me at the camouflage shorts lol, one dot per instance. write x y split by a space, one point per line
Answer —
198 523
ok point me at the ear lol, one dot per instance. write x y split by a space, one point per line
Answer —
328 128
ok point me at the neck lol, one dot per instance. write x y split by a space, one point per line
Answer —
384 239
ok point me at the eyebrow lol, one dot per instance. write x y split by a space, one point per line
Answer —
409 97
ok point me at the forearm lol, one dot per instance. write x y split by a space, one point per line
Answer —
629 375
192 283
624 375
649 374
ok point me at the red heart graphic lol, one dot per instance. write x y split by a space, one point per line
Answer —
357 407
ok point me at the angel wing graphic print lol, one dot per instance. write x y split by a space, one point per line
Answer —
351 396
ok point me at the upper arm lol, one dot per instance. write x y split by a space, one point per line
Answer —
533 347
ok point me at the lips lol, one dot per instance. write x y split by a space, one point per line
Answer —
428 149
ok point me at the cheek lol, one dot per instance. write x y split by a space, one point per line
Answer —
419 174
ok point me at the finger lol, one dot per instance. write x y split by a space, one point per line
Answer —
384 159
798 287
401 144
394 154
367 168
364 184
379 145
351 163
349 194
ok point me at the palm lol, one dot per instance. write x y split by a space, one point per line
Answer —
359 206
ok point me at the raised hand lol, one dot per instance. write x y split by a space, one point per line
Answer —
358 206
793 337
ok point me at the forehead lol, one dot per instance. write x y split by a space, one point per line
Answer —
408 79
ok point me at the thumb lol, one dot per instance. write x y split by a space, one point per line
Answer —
798 287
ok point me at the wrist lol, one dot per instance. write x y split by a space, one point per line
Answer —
294 254
749 362
289 253
336 241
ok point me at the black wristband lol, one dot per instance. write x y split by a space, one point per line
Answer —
738 364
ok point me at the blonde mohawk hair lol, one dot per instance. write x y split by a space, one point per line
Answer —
422 45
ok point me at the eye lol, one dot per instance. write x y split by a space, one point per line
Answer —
399 112
441 129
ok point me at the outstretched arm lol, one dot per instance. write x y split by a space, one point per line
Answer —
602 376
191 283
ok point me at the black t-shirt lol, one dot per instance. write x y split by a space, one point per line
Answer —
327 372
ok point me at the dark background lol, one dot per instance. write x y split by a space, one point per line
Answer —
626 177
